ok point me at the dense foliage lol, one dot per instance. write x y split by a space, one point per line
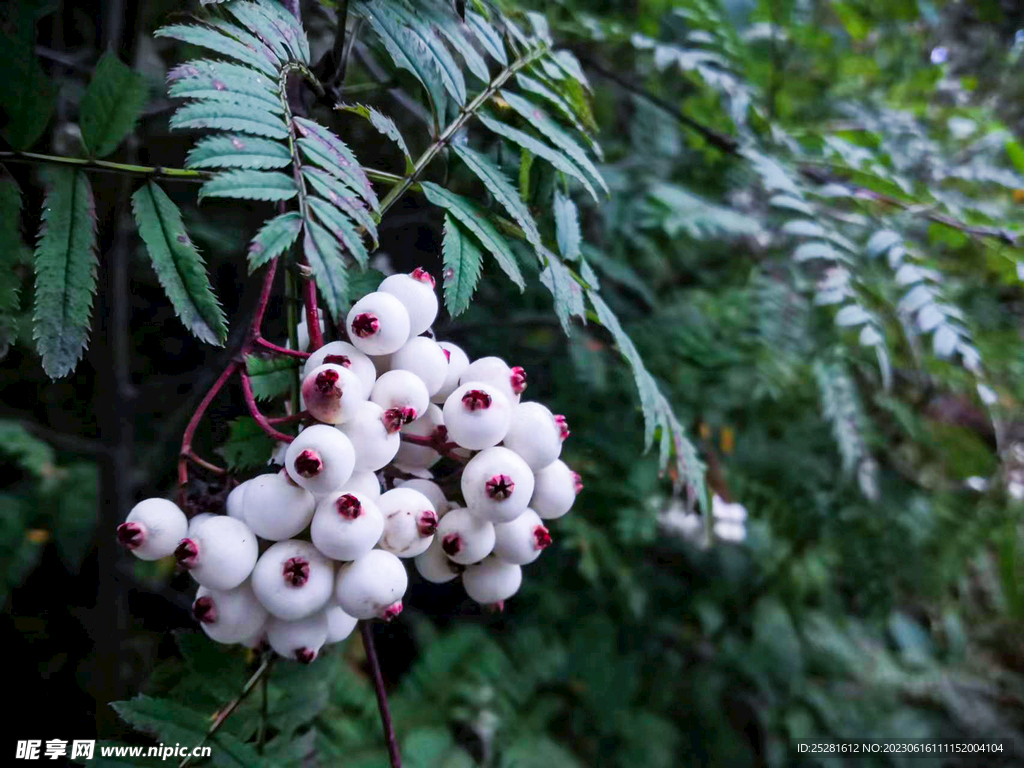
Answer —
767 251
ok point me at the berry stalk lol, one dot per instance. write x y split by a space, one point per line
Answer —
254 410
270 346
186 453
430 441
382 696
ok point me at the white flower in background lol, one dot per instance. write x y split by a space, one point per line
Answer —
729 521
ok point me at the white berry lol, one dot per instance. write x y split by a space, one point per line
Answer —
219 551
477 415
425 358
293 579
378 324
362 481
497 485
347 356
401 393
346 525
435 566
465 538
431 490
332 392
320 459
276 508
339 624
458 361
153 529
416 292
367 428
234 505
522 540
492 581
536 434
493 370
372 586
299 639
229 616
409 522
555 490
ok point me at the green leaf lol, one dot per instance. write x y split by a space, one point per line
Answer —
540 120
211 39
230 117
238 152
258 21
65 267
341 227
421 33
250 185
250 41
341 197
178 265
271 376
475 220
28 451
405 52
248 446
361 283
172 723
538 148
12 256
28 96
567 227
566 291
209 79
382 123
321 251
462 263
452 29
111 105
536 86
502 189
342 163
291 29
489 38
274 238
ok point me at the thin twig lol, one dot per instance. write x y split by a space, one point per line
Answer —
229 709
382 696
431 441
270 346
254 410
106 166
190 430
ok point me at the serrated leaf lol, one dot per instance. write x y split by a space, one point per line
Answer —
462 263
489 38
256 19
238 152
324 258
291 28
111 105
536 86
567 227
341 196
423 37
381 122
540 120
538 148
13 254
205 78
340 226
28 97
249 40
250 185
360 283
882 241
452 30
174 723
271 377
230 117
212 40
566 292
405 52
475 220
347 167
274 238
65 268
248 446
178 265
502 189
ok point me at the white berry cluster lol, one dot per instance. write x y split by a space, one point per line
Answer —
332 541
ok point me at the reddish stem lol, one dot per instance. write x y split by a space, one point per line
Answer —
250 401
261 307
268 345
316 337
200 461
190 431
428 441
300 416
382 696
